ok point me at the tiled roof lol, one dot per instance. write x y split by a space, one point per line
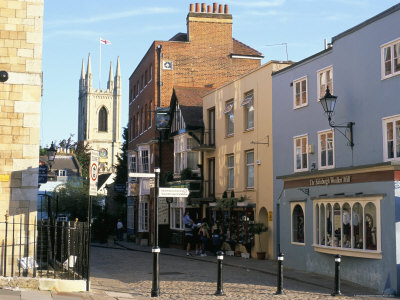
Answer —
190 96
243 49
63 162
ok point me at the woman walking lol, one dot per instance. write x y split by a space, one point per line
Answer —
203 232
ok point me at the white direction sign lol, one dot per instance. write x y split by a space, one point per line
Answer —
93 172
173 192
145 175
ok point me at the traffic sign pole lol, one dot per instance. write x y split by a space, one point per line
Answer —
155 291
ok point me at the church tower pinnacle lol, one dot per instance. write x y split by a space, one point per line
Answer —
117 79
110 83
82 79
89 79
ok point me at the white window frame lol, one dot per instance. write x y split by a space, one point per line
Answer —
319 72
299 81
320 133
62 173
303 207
230 171
177 204
300 137
385 121
143 215
132 163
341 249
392 59
249 165
247 109
227 119
142 158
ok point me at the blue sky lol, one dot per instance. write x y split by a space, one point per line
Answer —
72 29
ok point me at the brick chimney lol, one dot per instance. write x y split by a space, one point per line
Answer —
205 22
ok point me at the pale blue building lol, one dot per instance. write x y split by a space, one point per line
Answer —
337 190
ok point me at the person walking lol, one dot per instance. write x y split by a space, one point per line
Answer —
188 222
204 237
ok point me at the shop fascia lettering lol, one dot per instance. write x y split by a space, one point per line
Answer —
330 180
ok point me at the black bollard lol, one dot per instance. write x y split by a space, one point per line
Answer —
279 290
336 291
220 257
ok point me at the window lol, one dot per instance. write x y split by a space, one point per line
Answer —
146 78
133 127
250 169
143 216
325 79
138 124
391 138
390 59
144 161
145 117
177 213
326 150
211 177
184 157
149 116
62 172
350 224
132 163
179 148
150 72
228 111
138 87
297 209
300 153
211 126
300 93
103 119
248 104
231 173
142 117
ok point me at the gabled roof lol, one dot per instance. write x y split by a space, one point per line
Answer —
191 104
63 162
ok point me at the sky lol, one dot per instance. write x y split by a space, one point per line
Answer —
72 29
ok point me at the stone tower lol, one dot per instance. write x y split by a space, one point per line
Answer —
99 116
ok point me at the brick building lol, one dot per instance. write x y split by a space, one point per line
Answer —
207 57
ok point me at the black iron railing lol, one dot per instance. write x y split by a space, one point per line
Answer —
44 249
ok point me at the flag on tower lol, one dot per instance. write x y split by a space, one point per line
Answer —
105 42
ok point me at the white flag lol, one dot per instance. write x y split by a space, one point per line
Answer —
105 42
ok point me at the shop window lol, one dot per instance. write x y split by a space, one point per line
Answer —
344 224
297 222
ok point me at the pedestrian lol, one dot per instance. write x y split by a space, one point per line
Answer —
120 229
188 222
196 236
216 238
204 237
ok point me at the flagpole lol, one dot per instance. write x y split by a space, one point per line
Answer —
100 64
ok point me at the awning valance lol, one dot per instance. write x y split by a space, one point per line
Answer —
247 100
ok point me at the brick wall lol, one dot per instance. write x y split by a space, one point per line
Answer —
21 30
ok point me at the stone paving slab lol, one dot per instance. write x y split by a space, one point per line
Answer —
35 295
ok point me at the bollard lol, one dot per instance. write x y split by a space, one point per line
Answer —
279 290
220 257
337 291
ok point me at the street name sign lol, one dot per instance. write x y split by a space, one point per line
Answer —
173 192
145 175
93 172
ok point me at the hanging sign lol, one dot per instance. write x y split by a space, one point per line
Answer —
93 172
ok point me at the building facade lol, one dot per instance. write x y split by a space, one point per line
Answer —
206 57
99 116
336 186
21 26
237 156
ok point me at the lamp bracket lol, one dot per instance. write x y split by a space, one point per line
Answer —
261 143
349 126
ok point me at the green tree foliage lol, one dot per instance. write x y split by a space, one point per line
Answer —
82 153
73 200
122 164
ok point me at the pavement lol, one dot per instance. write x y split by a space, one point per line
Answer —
124 271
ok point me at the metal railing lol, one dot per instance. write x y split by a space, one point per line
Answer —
44 249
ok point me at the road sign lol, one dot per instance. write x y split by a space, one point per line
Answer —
173 192
145 175
93 172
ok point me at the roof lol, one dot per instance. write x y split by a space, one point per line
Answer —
191 104
242 49
63 162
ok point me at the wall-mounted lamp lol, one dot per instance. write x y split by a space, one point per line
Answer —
262 143
328 103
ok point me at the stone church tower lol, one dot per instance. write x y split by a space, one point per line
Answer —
99 117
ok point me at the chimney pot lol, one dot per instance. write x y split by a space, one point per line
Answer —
226 9
209 8
203 7
220 9
191 7
197 7
215 7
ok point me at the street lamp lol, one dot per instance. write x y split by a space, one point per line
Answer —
328 103
51 154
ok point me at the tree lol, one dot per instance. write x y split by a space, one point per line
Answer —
122 163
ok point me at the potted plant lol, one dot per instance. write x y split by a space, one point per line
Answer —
259 228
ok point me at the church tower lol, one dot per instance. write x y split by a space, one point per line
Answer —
99 116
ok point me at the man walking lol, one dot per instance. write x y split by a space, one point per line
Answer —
188 222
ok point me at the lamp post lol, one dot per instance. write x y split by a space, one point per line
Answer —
328 103
51 155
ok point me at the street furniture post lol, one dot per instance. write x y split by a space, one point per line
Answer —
155 291
336 290
279 290
220 257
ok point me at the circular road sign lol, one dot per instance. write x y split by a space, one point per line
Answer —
93 172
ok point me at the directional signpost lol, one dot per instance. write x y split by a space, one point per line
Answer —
173 192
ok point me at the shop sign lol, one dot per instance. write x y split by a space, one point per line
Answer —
330 180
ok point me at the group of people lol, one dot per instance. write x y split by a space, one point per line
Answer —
197 236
